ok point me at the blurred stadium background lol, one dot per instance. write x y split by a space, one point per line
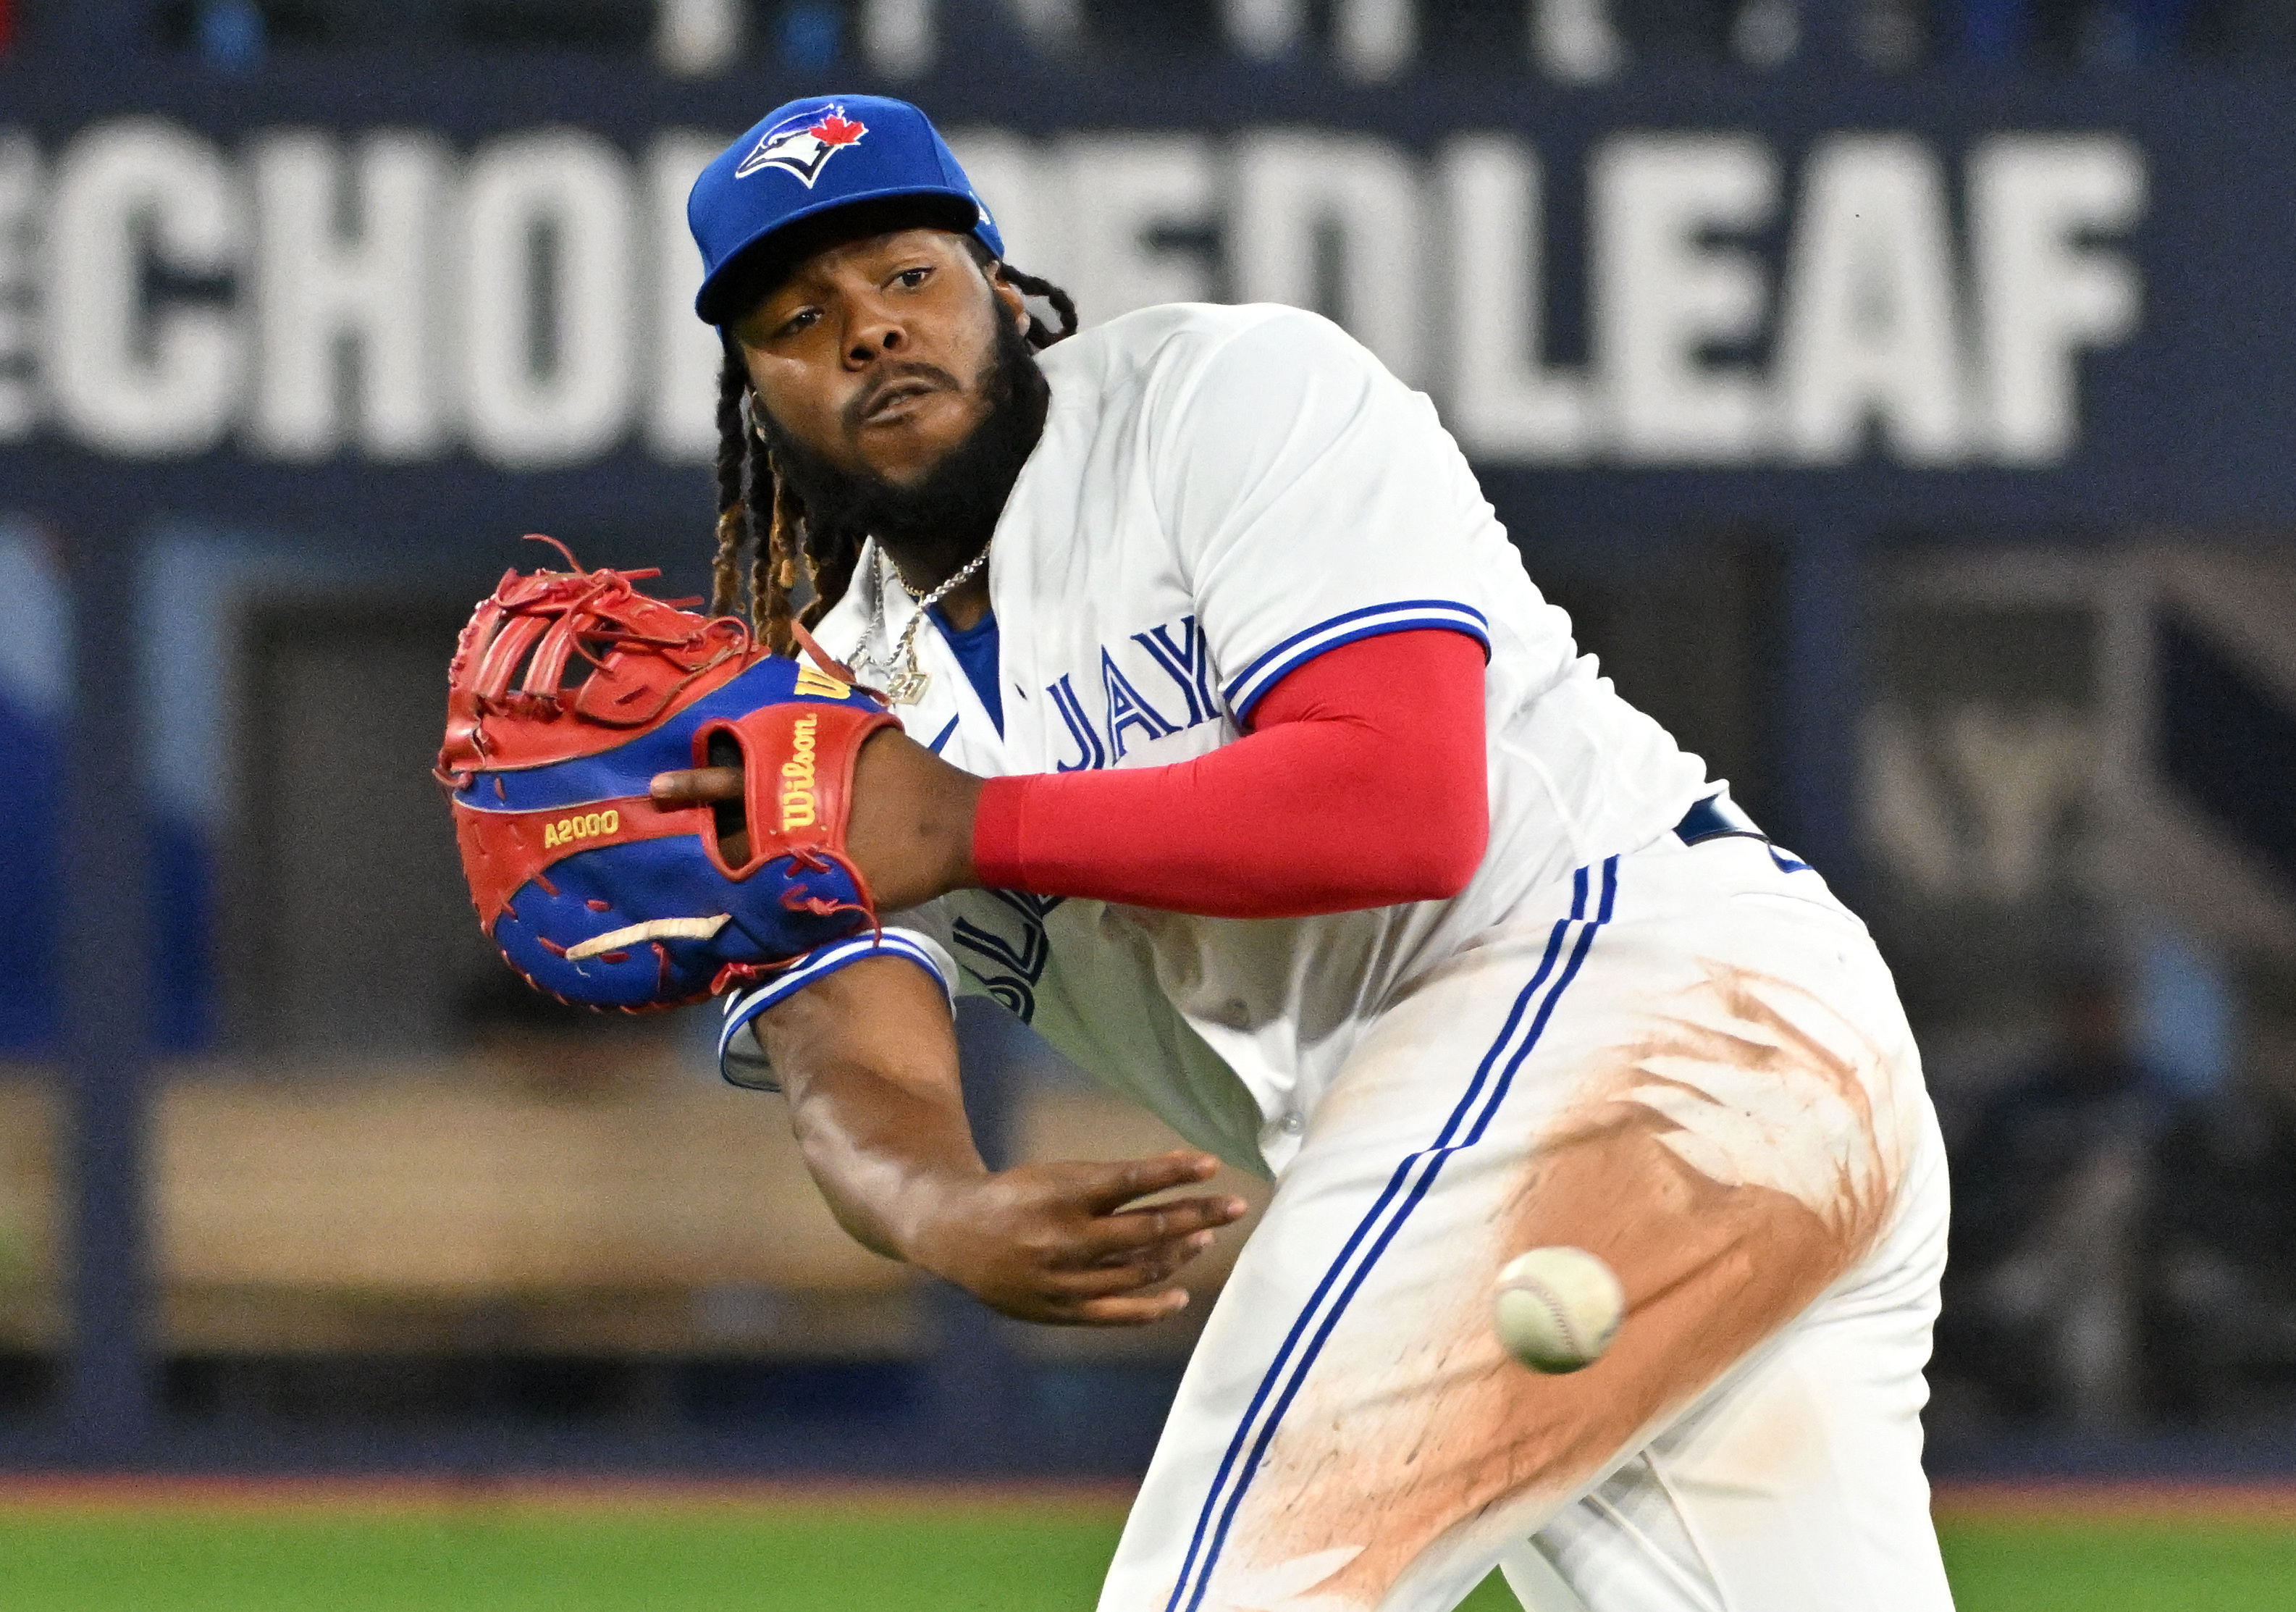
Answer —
1901 394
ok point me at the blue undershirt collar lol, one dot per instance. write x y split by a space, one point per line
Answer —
976 650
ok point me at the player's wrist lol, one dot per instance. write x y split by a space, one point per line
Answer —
929 1226
912 833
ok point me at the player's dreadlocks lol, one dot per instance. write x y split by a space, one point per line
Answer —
758 509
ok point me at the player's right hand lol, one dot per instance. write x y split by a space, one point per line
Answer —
1061 1244
911 833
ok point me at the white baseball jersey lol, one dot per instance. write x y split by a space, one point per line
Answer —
1686 1059
1220 495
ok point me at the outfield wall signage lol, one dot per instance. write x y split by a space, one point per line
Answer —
1673 298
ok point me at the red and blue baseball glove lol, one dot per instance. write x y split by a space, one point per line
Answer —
595 894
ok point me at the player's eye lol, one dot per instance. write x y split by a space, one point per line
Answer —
909 279
805 318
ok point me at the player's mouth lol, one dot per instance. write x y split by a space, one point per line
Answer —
894 401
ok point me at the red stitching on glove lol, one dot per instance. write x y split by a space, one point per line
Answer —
649 659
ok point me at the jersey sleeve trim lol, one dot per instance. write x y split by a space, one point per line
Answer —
1244 691
747 1067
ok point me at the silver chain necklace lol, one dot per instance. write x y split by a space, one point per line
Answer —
906 684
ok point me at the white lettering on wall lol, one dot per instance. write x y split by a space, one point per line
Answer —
1021 183
1576 41
2042 295
1505 402
533 304
697 38
1869 329
1295 193
325 292
1122 191
127 378
549 350
899 38
682 402
1263 29
1375 39
1054 25
1665 292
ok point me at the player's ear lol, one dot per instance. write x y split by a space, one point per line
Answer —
1016 306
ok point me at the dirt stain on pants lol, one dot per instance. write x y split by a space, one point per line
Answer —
1731 1164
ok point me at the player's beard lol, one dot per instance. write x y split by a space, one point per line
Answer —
933 526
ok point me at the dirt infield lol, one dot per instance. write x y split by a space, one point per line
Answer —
1956 1502
267 1496
2042 1501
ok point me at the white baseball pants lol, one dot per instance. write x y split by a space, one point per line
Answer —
1695 1066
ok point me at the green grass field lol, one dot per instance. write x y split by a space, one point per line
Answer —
769 1556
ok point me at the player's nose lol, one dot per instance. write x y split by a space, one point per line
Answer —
873 334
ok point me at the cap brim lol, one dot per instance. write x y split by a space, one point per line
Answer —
962 211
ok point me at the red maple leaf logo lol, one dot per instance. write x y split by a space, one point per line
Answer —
836 129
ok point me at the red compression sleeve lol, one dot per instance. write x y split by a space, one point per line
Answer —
1360 784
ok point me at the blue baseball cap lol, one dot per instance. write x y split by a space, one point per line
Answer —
812 157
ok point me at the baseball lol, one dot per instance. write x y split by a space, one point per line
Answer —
1557 1308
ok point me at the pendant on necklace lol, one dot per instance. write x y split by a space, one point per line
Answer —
907 688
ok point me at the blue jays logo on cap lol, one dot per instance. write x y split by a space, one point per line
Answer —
803 145
842 150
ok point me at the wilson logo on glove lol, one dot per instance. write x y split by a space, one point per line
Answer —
594 894
797 777
819 684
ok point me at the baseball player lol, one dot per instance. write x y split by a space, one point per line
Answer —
1243 760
